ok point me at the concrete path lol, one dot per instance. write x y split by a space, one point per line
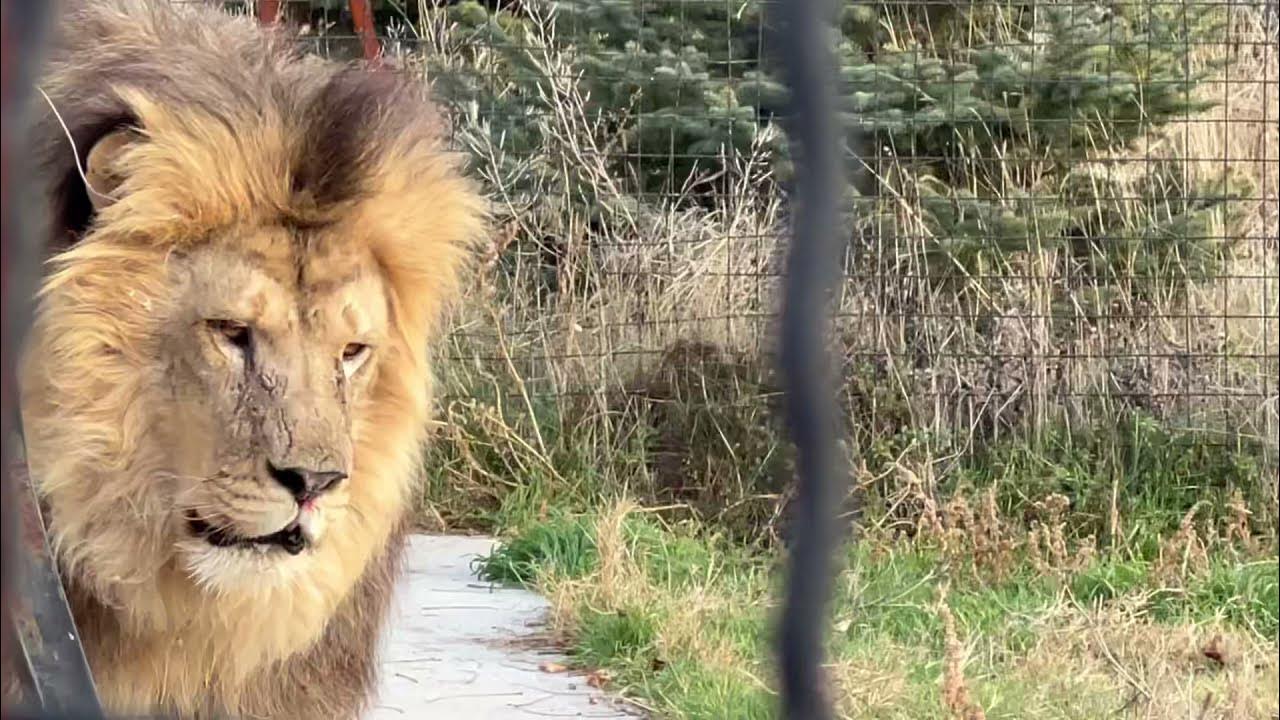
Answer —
458 647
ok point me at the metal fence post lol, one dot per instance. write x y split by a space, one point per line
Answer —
41 645
812 271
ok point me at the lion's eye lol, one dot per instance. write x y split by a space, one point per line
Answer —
353 356
236 334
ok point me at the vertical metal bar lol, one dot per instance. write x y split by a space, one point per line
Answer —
35 612
61 679
803 41
21 32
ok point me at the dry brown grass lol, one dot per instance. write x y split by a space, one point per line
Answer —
1162 671
956 696
620 584
980 359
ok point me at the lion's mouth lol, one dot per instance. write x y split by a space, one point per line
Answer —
290 538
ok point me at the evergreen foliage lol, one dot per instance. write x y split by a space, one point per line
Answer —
1001 122
1004 127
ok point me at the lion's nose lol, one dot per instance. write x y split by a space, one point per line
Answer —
306 484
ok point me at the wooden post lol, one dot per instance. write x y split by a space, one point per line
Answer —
362 17
269 11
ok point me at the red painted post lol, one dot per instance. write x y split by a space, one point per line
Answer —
269 11
362 17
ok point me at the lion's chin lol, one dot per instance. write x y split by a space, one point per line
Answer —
293 538
223 570
220 562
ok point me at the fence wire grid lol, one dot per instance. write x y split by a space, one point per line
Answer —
1061 232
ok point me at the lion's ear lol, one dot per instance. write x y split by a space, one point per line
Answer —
102 166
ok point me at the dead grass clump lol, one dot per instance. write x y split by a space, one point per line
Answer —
714 442
618 583
1158 670
619 575
956 696
1047 544
864 688
980 538
968 539
620 587
1183 554
993 547
1238 531
1134 668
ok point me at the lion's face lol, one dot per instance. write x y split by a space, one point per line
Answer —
229 382
267 358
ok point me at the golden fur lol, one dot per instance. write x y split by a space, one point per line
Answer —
229 171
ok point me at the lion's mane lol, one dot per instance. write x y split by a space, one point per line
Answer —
242 130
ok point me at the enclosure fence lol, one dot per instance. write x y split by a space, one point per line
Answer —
1061 234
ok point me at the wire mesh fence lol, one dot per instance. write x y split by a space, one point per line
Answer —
1061 245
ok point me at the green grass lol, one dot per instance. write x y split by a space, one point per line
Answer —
889 594
677 609
562 547
1246 595
1153 473
885 618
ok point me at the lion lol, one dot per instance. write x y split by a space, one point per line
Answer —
228 383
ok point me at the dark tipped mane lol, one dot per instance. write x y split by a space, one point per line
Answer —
220 66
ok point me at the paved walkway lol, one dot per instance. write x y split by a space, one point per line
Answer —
458 647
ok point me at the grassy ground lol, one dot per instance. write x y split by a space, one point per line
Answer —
1068 582
681 623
